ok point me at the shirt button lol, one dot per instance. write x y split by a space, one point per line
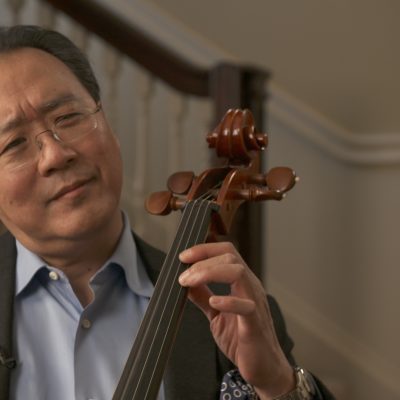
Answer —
53 276
86 324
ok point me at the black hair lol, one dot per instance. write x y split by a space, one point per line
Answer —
56 44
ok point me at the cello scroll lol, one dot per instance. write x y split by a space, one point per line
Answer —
237 141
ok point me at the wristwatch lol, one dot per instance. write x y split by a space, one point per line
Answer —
306 388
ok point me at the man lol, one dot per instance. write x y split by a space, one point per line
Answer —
75 282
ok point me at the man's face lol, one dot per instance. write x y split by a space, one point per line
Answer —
70 190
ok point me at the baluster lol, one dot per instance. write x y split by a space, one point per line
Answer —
202 121
177 111
46 15
16 8
141 151
80 36
177 107
113 70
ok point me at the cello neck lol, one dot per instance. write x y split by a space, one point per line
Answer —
143 372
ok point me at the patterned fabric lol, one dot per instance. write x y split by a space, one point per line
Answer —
234 387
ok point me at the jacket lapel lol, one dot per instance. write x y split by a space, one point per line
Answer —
7 288
195 367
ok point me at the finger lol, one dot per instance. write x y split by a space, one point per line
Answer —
224 269
233 305
200 296
207 250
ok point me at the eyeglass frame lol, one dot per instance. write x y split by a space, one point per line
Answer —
55 135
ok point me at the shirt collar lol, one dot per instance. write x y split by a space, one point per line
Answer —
128 258
125 255
28 264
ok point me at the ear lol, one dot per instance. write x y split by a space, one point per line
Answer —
108 125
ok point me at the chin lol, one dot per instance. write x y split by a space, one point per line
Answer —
90 222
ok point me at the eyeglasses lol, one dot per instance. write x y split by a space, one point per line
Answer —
19 149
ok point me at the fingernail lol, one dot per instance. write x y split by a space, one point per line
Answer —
184 254
183 278
215 300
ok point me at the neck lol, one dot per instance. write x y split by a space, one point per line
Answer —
81 257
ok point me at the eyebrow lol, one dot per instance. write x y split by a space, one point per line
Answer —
42 109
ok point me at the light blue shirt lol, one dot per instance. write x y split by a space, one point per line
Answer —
68 352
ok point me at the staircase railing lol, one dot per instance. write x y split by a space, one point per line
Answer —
226 85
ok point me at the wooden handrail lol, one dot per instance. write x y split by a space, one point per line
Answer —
133 43
228 85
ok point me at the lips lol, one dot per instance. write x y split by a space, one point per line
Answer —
66 189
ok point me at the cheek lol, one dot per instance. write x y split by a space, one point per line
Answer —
16 190
105 154
17 198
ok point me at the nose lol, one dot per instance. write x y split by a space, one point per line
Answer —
53 154
39 140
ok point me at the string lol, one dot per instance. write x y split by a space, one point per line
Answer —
147 324
162 286
165 283
188 238
156 330
180 290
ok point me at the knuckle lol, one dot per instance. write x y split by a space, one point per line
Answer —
229 258
227 245
240 270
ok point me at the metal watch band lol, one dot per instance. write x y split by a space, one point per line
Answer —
305 387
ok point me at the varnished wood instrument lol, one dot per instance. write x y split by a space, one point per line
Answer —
208 202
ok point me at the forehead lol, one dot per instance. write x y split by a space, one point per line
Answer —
31 77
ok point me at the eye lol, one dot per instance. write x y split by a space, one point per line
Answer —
69 119
13 144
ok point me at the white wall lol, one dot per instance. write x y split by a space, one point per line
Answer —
332 253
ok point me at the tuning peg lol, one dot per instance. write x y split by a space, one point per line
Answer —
162 203
180 182
272 186
255 193
281 179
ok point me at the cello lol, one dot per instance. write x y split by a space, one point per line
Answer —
208 203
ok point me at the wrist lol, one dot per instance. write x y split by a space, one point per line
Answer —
305 389
284 382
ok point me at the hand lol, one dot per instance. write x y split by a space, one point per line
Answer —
241 322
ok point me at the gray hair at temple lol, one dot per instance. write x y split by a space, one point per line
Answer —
56 44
